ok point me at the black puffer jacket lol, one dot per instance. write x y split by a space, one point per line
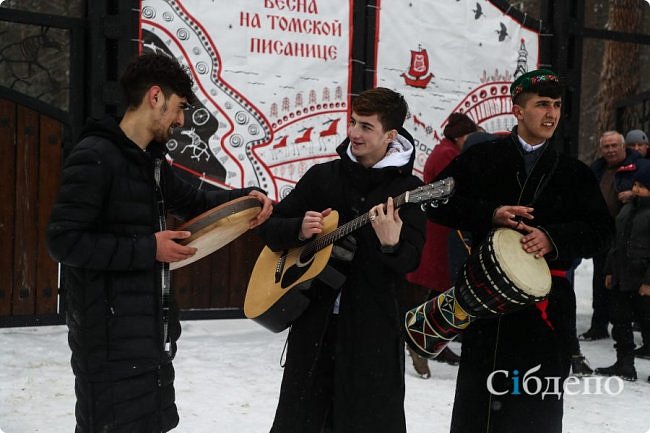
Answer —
102 229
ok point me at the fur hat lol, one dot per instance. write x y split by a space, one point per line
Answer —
458 124
642 173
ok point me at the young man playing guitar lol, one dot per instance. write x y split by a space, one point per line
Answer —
345 356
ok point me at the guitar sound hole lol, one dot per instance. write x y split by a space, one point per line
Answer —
305 259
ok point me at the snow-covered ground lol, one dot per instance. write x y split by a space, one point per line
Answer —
228 377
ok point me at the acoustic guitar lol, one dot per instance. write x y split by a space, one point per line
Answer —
275 296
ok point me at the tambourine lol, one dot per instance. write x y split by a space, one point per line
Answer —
218 227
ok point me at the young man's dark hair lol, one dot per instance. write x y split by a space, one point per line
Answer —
155 70
389 106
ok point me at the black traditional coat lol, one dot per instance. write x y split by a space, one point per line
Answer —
102 229
368 376
569 207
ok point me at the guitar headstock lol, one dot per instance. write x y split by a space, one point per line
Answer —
436 192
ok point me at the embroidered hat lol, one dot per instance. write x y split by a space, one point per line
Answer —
458 124
529 79
642 173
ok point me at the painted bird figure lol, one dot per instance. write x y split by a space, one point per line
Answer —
478 12
502 32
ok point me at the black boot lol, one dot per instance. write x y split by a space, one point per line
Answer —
594 334
642 352
625 371
579 366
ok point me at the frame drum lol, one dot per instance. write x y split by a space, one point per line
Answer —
218 227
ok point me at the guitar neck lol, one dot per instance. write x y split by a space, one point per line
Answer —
344 230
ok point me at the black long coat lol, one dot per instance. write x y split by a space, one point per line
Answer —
570 209
368 376
629 260
102 229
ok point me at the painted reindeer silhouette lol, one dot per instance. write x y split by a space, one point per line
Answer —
198 146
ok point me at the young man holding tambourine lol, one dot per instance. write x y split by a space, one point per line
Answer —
108 229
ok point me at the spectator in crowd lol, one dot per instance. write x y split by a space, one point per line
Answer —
627 274
433 275
613 171
637 140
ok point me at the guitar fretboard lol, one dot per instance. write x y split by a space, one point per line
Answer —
347 228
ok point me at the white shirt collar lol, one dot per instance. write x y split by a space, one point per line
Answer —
529 147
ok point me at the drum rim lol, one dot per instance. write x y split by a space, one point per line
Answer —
208 217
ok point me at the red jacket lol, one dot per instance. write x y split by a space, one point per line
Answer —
433 271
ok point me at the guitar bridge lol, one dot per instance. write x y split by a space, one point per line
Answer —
279 266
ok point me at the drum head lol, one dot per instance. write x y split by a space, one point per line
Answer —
530 275
218 227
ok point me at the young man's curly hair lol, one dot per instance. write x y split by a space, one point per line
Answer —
156 70
389 106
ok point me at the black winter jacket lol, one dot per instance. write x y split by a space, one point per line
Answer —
629 260
624 176
102 230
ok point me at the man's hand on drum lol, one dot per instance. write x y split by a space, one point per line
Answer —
386 222
168 250
312 223
267 208
511 216
535 241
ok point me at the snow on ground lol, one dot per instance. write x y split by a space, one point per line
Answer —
228 378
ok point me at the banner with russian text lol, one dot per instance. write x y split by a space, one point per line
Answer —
449 56
272 79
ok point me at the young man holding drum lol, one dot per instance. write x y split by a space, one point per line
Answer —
522 182
108 229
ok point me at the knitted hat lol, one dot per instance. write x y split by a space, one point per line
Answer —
525 81
642 173
636 136
458 124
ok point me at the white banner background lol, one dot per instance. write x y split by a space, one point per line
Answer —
474 51
272 80
273 77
